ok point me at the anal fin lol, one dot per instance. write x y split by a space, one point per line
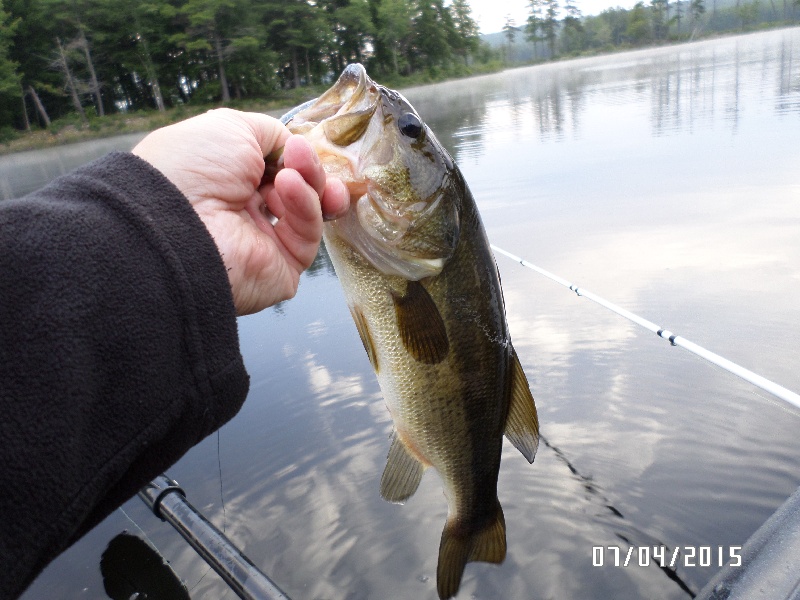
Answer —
457 548
402 474
522 424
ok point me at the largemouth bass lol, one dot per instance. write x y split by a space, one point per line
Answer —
423 288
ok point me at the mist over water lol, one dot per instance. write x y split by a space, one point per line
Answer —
665 180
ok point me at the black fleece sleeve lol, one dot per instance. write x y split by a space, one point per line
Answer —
118 352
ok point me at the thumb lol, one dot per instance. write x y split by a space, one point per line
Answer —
269 132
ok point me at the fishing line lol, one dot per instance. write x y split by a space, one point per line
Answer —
221 494
149 541
640 537
771 387
755 379
135 524
222 502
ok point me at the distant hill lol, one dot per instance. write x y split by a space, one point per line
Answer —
495 40
519 51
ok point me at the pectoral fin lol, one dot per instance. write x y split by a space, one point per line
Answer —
402 474
365 335
522 424
421 326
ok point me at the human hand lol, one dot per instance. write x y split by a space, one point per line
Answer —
217 161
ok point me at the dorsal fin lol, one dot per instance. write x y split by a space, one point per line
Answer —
522 424
421 326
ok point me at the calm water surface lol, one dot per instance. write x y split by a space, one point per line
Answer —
667 181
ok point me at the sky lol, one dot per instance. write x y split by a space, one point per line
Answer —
491 14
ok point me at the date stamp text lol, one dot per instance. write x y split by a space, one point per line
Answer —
661 556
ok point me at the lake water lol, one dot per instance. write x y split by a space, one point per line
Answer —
665 180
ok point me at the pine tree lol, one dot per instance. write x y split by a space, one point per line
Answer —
467 37
533 26
659 10
572 33
697 8
550 24
394 32
10 80
431 28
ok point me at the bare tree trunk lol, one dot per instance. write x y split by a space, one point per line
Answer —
774 8
295 69
95 85
223 80
64 66
308 69
39 106
154 85
152 78
24 108
666 24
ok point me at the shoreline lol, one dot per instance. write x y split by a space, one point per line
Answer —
69 132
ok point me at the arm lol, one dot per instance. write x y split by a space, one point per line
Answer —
118 341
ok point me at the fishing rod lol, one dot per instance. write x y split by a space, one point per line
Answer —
676 340
168 502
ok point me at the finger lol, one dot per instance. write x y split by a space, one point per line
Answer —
335 199
274 204
298 155
300 228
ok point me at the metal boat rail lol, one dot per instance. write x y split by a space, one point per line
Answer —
168 502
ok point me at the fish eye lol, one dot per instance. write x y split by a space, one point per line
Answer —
410 125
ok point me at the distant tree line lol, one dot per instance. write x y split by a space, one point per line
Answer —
94 57
81 59
555 29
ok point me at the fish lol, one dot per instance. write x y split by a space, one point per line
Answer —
422 286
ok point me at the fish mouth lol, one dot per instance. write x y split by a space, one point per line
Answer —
336 123
348 94
353 129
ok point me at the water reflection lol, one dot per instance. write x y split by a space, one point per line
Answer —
24 172
665 180
686 87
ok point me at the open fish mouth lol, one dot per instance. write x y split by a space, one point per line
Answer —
344 110
402 217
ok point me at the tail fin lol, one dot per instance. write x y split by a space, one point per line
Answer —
457 548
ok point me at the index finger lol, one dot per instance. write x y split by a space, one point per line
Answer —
300 156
